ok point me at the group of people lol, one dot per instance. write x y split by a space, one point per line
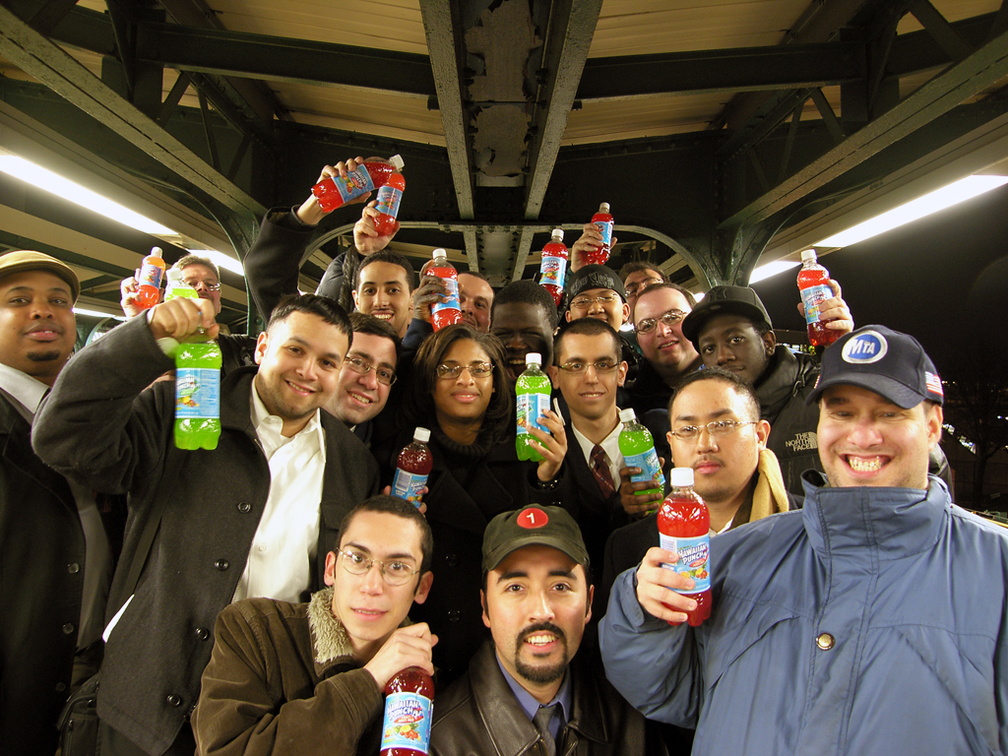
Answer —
279 586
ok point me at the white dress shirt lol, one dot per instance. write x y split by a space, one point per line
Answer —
610 445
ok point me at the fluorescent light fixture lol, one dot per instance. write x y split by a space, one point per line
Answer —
949 195
96 313
771 269
45 179
223 261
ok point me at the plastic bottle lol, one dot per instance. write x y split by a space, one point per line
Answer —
448 312
532 400
149 282
334 191
684 527
604 222
389 197
813 284
637 447
408 710
553 269
412 468
197 382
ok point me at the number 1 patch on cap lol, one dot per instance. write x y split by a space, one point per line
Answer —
532 518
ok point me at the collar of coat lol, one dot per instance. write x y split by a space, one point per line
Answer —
329 636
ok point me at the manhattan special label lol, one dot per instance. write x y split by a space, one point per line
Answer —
407 722
694 555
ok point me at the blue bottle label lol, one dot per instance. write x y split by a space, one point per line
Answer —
407 485
605 228
553 270
651 471
389 198
356 183
530 407
812 298
407 722
694 559
452 302
197 393
150 275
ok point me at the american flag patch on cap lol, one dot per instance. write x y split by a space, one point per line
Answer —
933 383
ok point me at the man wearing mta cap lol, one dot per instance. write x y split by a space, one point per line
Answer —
870 622
731 329
522 693
55 560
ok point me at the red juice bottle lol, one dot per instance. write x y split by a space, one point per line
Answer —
335 191
448 312
412 468
553 268
813 284
152 270
604 223
684 527
389 197
408 710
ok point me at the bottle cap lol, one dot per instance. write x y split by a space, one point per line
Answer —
533 358
604 207
627 415
682 476
808 255
557 232
156 252
397 162
439 254
421 434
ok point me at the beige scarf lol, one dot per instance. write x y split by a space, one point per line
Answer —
770 496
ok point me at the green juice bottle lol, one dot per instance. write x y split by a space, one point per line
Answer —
637 447
532 400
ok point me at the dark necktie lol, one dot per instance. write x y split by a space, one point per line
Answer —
541 721
600 469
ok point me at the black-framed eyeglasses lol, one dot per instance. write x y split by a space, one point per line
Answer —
394 572
584 302
476 370
715 428
669 318
382 374
195 284
576 368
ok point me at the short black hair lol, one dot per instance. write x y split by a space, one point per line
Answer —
636 266
587 327
363 323
528 292
312 304
388 256
401 508
741 386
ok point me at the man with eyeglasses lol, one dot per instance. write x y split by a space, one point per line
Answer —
295 678
637 276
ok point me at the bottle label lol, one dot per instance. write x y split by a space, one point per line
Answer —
354 184
605 228
812 298
150 275
694 559
407 722
452 302
552 271
197 392
530 407
407 485
651 471
389 198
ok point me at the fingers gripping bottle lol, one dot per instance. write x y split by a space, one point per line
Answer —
197 383
149 283
389 197
813 284
408 710
532 400
553 269
448 312
412 468
604 223
637 447
335 191
684 527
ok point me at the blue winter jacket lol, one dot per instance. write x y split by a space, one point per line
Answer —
870 622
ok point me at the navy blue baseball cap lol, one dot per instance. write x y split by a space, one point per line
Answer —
725 300
892 364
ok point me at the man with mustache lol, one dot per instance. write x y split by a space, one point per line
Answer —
524 692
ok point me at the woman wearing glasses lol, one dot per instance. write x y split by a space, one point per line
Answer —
460 391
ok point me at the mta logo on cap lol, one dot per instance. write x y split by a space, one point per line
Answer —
532 518
865 348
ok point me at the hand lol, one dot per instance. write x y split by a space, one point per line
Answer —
589 241
406 647
552 446
421 506
181 318
366 236
655 586
635 504
310 213
431 289
834 312
128 289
